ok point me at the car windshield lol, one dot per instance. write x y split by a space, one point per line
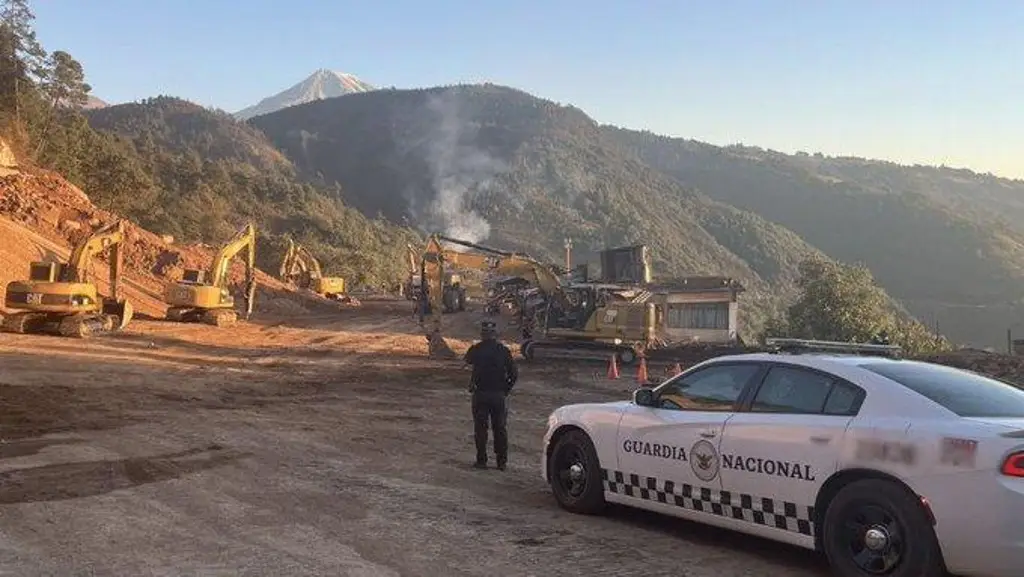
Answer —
965 393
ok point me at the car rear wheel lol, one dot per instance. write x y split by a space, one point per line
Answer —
875 528
575 474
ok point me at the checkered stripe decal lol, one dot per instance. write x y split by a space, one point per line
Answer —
758 510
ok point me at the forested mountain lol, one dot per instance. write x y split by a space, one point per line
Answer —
949 244
204 173
490 163
482 162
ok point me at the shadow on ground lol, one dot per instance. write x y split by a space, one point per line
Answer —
86 479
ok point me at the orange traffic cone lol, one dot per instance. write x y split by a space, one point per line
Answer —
677 369
641 371
613 368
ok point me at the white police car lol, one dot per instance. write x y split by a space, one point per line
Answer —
888 466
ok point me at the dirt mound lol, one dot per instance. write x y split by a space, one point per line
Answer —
56 210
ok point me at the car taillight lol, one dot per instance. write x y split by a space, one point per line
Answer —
1013 466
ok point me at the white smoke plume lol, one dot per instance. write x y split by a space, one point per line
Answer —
459 171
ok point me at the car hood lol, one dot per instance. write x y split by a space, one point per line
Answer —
579 410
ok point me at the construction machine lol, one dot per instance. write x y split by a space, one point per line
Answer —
411 288
204 296
453 293
59 298
302 269
573 321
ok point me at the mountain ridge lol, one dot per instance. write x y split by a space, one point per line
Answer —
948 243
197 174
500 165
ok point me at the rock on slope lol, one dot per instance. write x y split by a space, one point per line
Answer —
320 85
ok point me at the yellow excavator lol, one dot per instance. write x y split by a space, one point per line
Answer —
575 321
301 268
204 296
454 293
60 299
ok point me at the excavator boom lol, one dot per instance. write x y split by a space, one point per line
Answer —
433 291
244 239
573 319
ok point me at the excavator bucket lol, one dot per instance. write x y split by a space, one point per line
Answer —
437 347
250 298
122 310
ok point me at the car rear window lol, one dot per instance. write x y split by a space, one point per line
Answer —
965 393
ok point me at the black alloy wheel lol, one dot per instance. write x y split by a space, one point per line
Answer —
877 528
575 474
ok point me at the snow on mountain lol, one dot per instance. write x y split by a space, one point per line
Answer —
320 85
93 103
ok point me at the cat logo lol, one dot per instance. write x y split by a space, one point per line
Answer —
704 460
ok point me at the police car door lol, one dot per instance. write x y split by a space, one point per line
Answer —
667 453
782 445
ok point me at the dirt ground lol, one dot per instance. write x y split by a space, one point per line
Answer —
327 445
314 439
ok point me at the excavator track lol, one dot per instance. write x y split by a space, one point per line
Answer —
82 326
181 315
582 350
220 317
25 323
78 326
213 317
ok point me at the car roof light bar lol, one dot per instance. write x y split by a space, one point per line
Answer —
809 346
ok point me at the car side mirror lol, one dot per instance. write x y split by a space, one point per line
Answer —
643 397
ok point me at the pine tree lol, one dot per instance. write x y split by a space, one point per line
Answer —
64 86
22 58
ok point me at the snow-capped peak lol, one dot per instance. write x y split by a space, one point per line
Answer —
321 84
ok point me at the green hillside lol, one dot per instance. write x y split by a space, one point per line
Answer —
494 164
932 237
209 173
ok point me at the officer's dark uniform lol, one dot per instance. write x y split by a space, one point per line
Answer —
494 375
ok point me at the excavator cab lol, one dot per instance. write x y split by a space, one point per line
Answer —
45 271
192 276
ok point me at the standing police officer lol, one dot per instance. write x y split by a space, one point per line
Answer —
494 375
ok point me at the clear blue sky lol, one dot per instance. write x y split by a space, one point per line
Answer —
937 81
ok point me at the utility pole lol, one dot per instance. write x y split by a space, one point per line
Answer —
568 254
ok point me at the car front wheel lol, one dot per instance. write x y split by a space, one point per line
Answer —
575 474
878 528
